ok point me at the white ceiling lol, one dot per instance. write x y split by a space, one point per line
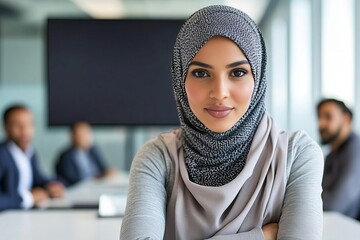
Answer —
36 11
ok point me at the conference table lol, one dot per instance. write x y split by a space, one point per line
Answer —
86 194
340 227
58 225
77 216
85 224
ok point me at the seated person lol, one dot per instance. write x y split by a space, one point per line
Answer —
22 184
342 165
82 160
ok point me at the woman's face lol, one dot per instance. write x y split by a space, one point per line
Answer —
219 84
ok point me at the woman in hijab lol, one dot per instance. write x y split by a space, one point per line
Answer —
229 172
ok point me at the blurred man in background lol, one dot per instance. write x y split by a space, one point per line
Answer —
341 190
22 184
82 160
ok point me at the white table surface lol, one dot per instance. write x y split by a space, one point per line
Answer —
340 227
87 193
57 225
84 224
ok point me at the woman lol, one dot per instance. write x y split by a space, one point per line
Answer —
229 172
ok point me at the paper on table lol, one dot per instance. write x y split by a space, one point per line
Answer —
111 205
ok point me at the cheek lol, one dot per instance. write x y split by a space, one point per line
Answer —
244 93
195 93
27 129
31 131
16 130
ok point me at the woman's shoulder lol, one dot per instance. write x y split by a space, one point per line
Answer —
163 142
303 151
156 152
300 141
154 158
301 138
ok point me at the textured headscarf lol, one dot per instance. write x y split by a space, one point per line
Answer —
215 159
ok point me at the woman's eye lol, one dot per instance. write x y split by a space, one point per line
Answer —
200 73
238 73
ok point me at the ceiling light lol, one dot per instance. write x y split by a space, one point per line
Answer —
102 8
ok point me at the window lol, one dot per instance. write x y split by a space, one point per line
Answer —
338 50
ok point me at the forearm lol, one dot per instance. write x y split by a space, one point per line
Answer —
301 216
144 216
254 234
146 204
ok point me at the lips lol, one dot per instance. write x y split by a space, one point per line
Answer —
219 111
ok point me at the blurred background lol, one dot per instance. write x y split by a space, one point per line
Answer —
311 46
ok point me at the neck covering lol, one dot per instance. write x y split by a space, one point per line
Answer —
215 159
253 199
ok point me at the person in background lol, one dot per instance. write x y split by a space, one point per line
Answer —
341 191
229 172
22 184
82 160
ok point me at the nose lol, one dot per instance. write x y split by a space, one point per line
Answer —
220 88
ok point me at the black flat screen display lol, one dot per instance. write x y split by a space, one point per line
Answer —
111 72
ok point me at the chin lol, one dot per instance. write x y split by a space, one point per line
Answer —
220 129
219 125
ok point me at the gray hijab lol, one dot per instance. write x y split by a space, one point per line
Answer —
215 159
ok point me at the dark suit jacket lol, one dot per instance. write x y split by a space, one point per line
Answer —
341 191
9 179
67 169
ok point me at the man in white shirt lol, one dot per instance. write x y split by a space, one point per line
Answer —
22 184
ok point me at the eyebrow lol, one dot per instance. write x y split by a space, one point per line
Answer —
200 64
231 65
238 63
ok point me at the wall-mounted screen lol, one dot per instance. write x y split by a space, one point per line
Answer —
111 72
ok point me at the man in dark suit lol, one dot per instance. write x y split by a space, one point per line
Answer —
82 160
341 178
22 184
